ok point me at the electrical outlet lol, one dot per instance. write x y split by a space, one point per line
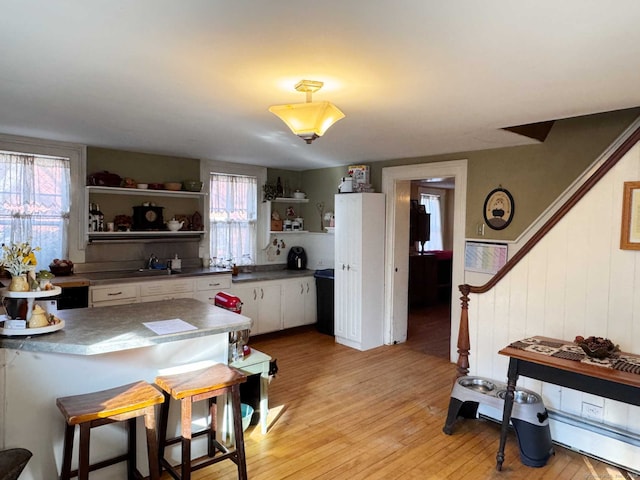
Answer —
480 229
592 412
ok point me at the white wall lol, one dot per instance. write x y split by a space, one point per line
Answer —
576 281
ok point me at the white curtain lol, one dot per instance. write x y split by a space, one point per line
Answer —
233 218
432 206
34 203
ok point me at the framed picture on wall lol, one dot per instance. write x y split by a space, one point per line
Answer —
498 209
630 231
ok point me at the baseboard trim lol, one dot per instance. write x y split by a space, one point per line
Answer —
606 443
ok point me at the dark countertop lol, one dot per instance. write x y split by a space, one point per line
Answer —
262 276
91 331
128 276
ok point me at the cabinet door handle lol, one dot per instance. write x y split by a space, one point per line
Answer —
255 294
261 293
214 284
307 288
114 294
348 267
301 289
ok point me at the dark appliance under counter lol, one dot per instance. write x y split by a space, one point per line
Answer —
70 297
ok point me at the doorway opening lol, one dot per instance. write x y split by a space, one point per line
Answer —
430 264
396 184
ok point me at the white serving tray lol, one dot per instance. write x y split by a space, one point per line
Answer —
26 332
32 294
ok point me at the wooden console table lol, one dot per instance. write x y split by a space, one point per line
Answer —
598 380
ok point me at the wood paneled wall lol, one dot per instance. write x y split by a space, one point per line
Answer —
576 281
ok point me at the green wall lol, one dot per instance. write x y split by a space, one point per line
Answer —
535 174
136 165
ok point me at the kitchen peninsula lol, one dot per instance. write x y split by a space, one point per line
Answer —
100 348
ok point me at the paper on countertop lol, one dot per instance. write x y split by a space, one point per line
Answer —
165 327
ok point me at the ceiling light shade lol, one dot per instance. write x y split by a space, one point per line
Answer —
308 120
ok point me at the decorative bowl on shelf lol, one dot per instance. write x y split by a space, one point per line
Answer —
174 186
143 186
597 347
192 185
61 268
156 186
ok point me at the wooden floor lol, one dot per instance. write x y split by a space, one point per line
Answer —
338 413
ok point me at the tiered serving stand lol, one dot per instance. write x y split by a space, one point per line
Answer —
31 298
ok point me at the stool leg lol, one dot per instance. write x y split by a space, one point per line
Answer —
213 428
83 461
186 438
131 452
237 430
162 429
152 443
67 452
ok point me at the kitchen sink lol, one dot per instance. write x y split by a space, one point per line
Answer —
149 272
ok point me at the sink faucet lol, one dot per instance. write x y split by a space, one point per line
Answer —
153 260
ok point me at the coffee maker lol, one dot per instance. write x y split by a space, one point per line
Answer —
297 259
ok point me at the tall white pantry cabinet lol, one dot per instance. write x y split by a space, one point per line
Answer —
359 269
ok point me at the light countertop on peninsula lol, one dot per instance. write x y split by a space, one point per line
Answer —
91 331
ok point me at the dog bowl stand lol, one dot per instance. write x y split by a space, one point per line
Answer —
529 417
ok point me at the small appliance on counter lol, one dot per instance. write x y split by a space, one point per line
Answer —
228 302
346 185
296 259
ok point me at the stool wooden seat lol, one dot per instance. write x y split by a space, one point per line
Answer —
190 387
124 403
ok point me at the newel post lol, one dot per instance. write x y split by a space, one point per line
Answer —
463 333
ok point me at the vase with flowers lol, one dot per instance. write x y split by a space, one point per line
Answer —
19 259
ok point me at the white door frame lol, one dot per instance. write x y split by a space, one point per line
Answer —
394 186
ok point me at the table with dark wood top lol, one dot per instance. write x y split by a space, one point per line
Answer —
597 380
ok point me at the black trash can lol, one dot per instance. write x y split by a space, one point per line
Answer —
324 300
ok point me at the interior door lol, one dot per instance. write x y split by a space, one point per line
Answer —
400 253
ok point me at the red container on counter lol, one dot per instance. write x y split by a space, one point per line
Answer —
228 302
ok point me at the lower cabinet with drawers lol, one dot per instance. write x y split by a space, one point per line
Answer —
208 287
120 294
272 304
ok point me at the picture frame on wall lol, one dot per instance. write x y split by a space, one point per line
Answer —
630 231
498 209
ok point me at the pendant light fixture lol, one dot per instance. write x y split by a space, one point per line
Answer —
308 120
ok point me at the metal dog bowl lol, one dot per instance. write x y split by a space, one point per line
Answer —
481 385
520 396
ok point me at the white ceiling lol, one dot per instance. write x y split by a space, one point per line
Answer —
414 77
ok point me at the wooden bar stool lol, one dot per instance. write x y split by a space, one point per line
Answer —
124 403
190 387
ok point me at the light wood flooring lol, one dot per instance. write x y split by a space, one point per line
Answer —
338 413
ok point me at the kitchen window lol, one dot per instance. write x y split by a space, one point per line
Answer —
35 202
233 217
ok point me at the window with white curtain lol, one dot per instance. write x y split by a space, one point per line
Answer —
233 218
35 202
433 207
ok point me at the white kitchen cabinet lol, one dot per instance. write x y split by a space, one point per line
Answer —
120 294
299 302
208 287
150 291
166 289
359 269
261 301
